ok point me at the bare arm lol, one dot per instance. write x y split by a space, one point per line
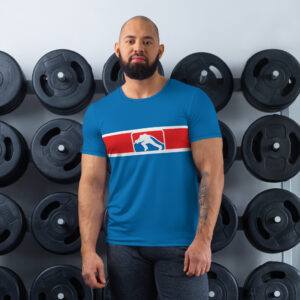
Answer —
91 200
208 158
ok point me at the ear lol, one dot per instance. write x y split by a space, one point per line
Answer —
161 50
117 49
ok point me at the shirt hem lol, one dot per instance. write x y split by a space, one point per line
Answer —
110 241
93 153
204 137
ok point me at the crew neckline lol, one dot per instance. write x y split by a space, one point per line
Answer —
124 97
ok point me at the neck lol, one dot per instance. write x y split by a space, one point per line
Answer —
137 89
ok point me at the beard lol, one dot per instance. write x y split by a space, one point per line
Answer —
138 70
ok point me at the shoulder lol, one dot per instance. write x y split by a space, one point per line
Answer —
182 87
191 96
97 110
106 101
188 90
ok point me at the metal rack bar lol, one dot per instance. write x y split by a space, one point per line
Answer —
100 89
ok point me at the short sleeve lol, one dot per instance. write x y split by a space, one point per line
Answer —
92 139
202 118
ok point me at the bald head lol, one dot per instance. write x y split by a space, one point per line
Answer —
140 19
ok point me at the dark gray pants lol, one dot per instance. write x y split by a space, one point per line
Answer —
150 273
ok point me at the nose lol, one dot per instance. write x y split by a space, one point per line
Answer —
139 46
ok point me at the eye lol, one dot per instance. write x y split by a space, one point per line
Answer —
148 43
129 41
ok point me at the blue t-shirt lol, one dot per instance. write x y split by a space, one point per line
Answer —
153 186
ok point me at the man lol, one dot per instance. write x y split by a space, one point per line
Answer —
156 133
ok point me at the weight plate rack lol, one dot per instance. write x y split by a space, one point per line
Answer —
238 86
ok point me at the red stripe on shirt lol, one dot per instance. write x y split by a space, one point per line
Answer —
173 138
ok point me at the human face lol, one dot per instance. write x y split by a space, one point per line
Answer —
138 50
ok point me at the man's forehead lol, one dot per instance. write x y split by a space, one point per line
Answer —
136 27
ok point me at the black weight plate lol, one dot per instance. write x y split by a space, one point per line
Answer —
113 75
56 150
222 284
63 81
12 224
54 223
218 81
271 80
226 226
270 148
273 280
60 282
12 84
272 220
229 146
14 154
11 285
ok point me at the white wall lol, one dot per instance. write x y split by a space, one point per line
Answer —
233 30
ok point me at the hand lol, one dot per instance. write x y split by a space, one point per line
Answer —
92 263
197 259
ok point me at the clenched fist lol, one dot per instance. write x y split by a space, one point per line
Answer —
197 259
93 270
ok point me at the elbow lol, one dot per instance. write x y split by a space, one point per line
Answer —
214 174
214 170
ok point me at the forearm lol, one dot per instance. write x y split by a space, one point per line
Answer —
90 213
209 198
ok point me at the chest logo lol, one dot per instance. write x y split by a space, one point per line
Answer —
148 141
